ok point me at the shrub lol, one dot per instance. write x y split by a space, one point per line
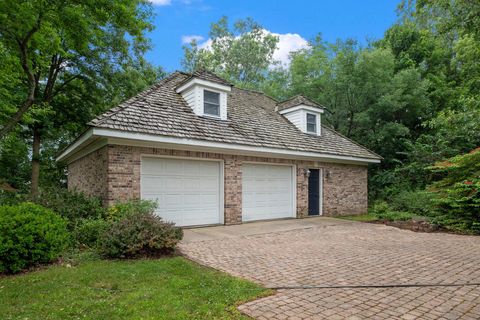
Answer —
123 209
71 205
382 211
87 232
395 216
459 206
458 192
380 207
29 234
416 202
139 234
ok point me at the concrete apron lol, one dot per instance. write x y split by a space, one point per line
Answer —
257 227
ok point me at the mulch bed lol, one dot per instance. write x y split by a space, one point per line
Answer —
413 225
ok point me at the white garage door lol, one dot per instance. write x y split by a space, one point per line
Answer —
187 191
267 192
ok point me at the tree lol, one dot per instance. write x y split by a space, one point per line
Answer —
241 54
366 98
59 46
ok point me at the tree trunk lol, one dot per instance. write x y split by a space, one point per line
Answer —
35 161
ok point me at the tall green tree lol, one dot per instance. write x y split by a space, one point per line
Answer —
366 98
67 46
241 53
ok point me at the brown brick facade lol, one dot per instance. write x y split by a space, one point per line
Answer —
113 173
89 174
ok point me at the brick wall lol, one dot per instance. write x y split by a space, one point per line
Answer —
89 174
345 186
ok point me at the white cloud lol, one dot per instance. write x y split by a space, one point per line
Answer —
189 38
161 2
287 43
206 44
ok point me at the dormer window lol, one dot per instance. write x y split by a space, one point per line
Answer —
305 114
206 94
211 103
311 123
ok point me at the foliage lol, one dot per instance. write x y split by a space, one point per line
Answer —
29 234
394 216
137 231
452 201
241 54
366 98
172 288
124 209
62 63
87 231
60 42
458 191
382 211
72 205
420 203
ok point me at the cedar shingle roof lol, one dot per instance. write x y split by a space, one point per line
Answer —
252 120
205 75
296 101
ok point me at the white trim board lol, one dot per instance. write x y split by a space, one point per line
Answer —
150 140
301 107
203 83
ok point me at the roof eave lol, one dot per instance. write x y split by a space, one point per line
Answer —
111 136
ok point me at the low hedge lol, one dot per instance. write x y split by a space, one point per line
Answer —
30 234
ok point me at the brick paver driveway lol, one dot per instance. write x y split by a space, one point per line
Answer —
333 269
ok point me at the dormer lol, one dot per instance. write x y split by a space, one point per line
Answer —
206 94
305 114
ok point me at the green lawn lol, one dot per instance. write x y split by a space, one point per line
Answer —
170 288
360 217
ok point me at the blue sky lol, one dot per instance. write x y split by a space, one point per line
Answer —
295 22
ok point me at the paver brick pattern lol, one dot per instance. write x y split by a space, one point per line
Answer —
306 263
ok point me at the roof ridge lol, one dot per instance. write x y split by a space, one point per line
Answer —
101 118
291 98
259 92
301 96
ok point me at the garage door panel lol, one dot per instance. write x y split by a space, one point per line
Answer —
267 192
187 191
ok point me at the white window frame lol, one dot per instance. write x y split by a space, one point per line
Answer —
218 105
315 123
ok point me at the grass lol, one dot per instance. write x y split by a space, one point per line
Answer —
388 215
360 217
169 288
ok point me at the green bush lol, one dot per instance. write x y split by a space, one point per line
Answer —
71 205
29 234
87 232
139 234
123 209
458 192
383 211
395 216
459 206
416 202
380 207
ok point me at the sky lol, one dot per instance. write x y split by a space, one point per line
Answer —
294 22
